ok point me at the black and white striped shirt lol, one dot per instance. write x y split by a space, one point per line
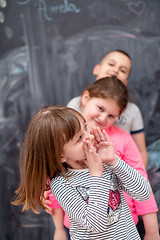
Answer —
96 206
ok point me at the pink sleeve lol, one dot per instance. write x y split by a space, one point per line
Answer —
133 158
54 202
145 207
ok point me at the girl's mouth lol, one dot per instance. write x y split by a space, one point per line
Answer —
98 124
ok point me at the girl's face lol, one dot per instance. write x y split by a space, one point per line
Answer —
99 112
114 64
73 151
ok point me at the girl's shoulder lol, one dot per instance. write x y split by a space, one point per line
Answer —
72 175
75 103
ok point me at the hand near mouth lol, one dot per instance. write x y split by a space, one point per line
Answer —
93 160
104 147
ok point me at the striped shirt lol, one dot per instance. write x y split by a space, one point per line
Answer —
96 206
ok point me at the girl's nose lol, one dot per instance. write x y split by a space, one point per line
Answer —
103 118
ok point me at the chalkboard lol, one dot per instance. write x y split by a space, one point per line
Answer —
48 49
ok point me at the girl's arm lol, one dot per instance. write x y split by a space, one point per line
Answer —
58 217
150 222
151 230
105 150
133 183
147 208
139 139
57 213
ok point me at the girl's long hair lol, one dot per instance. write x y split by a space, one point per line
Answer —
40 157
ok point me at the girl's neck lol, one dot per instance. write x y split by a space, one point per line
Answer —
79 165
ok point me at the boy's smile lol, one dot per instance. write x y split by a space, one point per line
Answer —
114 64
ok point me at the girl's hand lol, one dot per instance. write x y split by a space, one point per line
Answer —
104 147
93 160
47 202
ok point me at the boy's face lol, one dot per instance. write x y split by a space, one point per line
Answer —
114 64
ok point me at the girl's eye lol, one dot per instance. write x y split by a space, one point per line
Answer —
100 108
79 138
111 116
111 64
86 128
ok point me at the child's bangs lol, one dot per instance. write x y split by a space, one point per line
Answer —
71 126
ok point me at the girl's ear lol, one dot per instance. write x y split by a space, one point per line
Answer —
96 69
63 159
85 98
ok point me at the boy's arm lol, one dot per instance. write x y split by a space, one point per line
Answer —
150 222
139 139
58 217
137 132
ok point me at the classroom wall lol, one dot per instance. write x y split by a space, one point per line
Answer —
48 49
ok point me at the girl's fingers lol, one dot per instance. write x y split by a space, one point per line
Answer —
95 134
88 145
106 136
100 135
90 151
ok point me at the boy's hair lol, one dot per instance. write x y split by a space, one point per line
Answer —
121 51
48 131
109 88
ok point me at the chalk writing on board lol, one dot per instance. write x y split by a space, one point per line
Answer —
137 7
2 17
41 5
3 4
